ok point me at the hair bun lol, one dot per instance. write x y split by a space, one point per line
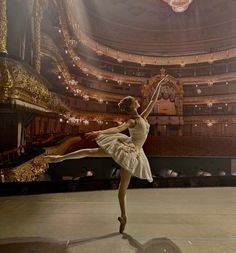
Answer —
124 104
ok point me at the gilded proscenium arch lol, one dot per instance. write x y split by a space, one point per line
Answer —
173 82
160 60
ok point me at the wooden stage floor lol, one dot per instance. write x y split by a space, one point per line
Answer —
189 220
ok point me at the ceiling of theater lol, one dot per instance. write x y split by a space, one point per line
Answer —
150 27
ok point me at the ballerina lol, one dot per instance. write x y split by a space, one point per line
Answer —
126 150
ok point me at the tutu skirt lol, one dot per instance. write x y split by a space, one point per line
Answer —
124 152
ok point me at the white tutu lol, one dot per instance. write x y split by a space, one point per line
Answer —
125 151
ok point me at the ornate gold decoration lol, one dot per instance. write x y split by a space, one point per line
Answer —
38 8
229 98
3 26
208 79
17 82
173 82
6 82
29 171
231 119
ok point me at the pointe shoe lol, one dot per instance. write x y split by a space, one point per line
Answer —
122 221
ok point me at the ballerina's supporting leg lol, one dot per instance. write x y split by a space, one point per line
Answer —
124 183
88 152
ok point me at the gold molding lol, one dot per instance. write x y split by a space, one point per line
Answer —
212 99
3 26
206 79
210 118
173 82
16 82
26 172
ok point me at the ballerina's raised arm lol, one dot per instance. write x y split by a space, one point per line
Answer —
154 98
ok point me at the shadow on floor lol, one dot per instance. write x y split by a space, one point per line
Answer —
154 245
43 245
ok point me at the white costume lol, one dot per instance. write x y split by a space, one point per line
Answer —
127 151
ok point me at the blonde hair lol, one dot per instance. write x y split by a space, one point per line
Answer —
124 104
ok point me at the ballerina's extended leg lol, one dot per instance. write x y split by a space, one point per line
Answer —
88 152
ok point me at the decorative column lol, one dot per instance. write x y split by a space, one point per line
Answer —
38 11
3 26
6 82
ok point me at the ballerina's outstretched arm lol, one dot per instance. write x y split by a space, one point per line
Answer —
112 130
154 98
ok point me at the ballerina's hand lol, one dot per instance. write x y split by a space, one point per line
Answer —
166 78
92 135
53 158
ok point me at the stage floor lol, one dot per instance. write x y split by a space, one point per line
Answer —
189 220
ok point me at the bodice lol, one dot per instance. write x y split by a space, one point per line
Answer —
139 132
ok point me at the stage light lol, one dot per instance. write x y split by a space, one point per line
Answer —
179 5
199 91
